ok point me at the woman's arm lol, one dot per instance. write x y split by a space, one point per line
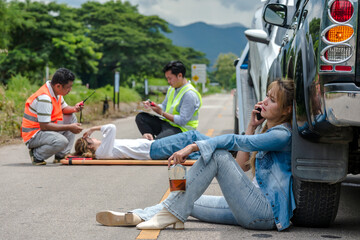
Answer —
274 139
243 157
91 130
224 142
181 155
106 147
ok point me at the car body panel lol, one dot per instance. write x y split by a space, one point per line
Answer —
326 109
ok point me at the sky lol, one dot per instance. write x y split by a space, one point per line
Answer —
184 12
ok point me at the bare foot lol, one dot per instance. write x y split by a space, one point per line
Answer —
148 136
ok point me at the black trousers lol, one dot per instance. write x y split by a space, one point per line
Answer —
148 123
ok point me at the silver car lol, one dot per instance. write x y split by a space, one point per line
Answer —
264 46
252 68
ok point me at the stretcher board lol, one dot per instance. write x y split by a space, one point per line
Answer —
87 161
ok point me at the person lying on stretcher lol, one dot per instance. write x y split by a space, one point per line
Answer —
141 149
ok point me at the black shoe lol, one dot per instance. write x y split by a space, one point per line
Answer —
35 161
57 159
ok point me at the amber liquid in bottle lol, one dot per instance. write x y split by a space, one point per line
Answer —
177 185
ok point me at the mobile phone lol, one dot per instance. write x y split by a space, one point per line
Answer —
258 115
151 102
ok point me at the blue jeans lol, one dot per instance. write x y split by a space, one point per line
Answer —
242 204
163 148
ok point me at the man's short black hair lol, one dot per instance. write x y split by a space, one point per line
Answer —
62 76
176 67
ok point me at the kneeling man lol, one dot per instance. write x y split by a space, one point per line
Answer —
49 125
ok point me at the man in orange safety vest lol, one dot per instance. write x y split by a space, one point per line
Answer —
49 125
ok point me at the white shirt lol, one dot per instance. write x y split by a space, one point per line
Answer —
111 148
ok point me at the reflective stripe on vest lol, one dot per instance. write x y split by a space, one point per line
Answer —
30 124
173 103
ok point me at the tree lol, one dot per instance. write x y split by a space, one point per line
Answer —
76 52
93 41
4 28
46 34
131 43
224 70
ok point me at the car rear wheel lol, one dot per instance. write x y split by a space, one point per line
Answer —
316 203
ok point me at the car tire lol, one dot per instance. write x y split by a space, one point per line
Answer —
316 203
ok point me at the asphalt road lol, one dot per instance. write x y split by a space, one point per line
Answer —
60 202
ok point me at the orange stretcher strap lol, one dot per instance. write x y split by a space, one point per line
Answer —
89 161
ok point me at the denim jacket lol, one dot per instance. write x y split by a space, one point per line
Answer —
273 165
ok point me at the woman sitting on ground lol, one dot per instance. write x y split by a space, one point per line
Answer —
140 149
265 203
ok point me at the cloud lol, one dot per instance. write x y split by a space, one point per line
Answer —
242 5
184 12
147 3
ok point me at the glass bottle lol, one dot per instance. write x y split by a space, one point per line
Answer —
177 178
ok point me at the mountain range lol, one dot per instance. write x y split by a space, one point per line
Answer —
209 39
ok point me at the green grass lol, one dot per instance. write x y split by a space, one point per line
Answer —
212 90
80 92
12 102
158 82
14 95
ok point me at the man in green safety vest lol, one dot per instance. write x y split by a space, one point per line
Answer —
179 112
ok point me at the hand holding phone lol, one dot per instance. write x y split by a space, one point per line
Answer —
151 103
258 115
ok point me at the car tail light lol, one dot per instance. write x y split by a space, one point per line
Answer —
341 10
339 33
343 68
326 67
338 44
338 53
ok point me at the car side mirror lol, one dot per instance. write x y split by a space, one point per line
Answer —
276 14
257 35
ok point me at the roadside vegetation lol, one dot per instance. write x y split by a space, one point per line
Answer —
19 88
